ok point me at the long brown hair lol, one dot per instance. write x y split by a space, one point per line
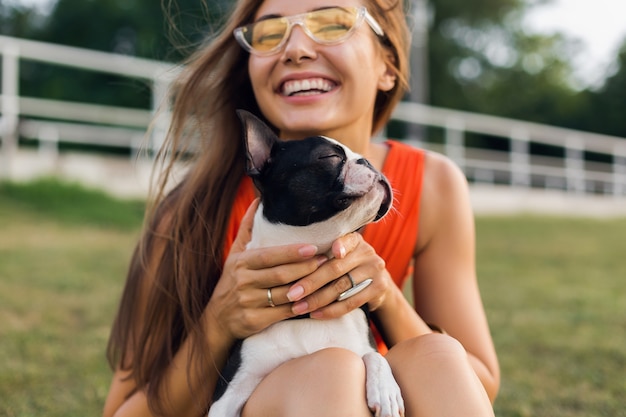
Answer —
179 257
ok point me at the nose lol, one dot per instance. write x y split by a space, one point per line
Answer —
299 46
363 161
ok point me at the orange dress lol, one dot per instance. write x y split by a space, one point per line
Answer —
394 236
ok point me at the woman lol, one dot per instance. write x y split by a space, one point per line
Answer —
334 68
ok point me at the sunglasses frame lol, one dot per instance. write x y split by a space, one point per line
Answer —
299 19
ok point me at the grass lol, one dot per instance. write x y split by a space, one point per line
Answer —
553 288
555 293
63 257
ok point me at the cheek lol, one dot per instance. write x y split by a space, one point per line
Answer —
259 74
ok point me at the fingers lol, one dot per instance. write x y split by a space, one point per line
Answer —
334 268
345 244
360 253
323 297
281 255
240 299
354 297
245 229
277 265
266 258
320 290
356 288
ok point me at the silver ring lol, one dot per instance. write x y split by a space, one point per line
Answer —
351 280
269 298
355 289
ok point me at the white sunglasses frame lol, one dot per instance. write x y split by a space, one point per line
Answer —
298 19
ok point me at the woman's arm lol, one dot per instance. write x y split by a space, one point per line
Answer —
445 288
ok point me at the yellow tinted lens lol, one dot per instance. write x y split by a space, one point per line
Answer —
266 34
331 24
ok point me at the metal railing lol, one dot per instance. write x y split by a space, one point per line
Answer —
54 121
582 162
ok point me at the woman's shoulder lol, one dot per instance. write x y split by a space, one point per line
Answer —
445 197
443 173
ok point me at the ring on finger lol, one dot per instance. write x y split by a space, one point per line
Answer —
356 288
270 301
351 279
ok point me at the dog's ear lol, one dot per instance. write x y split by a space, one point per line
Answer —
258 140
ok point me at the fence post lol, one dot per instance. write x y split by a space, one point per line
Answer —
455 138
48 137
575 164
10 107
619 170
520 157
161 113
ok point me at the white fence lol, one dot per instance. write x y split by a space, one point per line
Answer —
54 121
585 162
588 162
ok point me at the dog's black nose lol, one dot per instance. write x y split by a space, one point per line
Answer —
365 162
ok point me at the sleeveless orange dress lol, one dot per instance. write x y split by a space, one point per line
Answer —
393 237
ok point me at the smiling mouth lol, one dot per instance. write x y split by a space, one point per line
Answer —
307 87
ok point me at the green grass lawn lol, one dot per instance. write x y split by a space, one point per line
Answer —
555 294
554 290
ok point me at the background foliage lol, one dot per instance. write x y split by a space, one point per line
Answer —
480 58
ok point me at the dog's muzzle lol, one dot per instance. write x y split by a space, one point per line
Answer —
385 205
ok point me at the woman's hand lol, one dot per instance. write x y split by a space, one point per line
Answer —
317 293
240 303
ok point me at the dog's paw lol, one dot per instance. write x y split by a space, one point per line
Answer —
383 393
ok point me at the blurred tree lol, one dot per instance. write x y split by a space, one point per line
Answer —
142 28
165 30
481 60
605 109
19 21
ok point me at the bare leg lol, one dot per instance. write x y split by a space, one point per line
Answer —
327 383
437 379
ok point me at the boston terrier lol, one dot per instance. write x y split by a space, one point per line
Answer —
312 191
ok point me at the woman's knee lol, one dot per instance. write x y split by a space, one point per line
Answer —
432 367
420 361
433 346
328 382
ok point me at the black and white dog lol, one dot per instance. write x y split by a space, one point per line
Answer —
312 191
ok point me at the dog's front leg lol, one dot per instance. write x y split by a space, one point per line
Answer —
260 354
383 393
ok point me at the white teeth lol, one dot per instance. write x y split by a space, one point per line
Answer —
308 86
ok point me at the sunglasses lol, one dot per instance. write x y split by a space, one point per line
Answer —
325 26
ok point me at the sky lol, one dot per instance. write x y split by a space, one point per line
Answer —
599 24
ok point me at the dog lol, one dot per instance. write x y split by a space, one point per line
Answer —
312 191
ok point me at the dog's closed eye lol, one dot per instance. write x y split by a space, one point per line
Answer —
332 155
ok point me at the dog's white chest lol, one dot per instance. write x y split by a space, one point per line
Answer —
294 338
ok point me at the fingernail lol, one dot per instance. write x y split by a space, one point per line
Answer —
342 251
295 293
321 260
307 251
300 308
316 314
